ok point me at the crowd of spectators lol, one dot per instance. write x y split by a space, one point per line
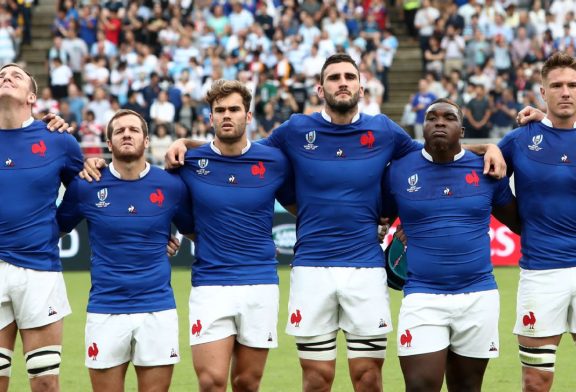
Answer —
159 57
486 55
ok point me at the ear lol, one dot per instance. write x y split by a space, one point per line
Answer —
147 142
248 117
462 130
320 91
109 144
211 120
31 99
543 93
361 92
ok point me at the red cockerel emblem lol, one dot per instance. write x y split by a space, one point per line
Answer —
472 178
93 351
197 328
157 197
259 169
39 148
406 339
295 318
367 139
529 320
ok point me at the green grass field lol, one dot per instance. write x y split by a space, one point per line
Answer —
283 372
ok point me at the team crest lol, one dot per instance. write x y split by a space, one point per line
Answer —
311 138
102 195
203 163
536 140
564 158
412 181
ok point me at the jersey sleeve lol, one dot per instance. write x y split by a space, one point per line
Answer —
403 143
389 207
503 194
506 145
184 218
73 161
69 212
286 194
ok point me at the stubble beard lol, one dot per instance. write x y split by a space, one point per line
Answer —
342 107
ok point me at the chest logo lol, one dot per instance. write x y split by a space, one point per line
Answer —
412 181
564 158
259 169
102 196
367 139
311 138
472 178
203 164
536 140
232 179
157 197
9 163
39 148
132 209
447 192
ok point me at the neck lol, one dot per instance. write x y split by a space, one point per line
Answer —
562 123
231 149
443 153
129 170
341 118
12 117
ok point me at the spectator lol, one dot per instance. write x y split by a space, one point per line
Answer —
69 117
7 39
504 111
422 99
159 143
88 25
521 48
134 103
268 121
410 7
162 111
91 136
454 19
453 46
434 57
60 78
477 114
384 57
240 18
335 27
76 101
46 103
368 104
76 51
313 105
99 106
424 22
477 51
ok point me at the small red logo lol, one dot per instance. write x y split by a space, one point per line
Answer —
406 339
259 169
39 148
472 178
529 320
93 351
157 198
196 328
367 139
295 318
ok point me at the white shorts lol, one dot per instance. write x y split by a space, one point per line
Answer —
146 339
546 302
250 312
325 299
465 323
32 298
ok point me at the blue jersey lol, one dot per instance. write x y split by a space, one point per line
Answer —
544 168
338 171
33 164
129 228
233 203
445 212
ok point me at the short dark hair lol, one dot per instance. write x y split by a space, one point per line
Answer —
222 88
450 102
556 61
335 59
33 84
122 113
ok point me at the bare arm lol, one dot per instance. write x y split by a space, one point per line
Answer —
175 154
508 215
494 163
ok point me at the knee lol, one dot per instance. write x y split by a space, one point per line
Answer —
246 383
45 384
536 380
317 379
211 383
367 380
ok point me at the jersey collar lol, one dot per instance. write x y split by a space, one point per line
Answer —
546 121
327 117
116 174
217 150
456 157
28 122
